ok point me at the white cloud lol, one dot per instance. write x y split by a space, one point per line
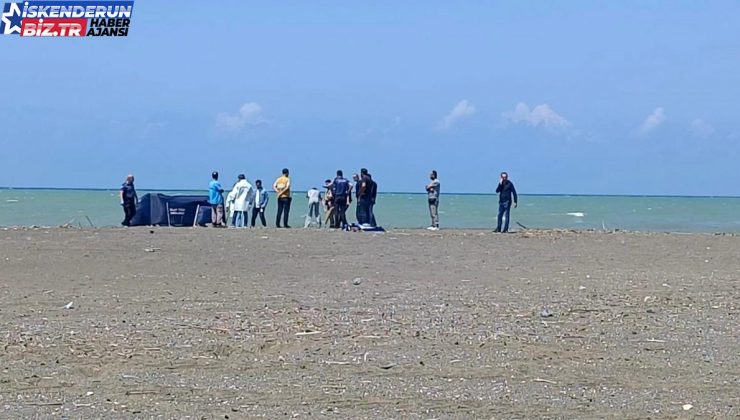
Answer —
382 129
652 121
701 129
250 114
462 110
540 115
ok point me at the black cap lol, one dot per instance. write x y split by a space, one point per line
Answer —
241 176
214 174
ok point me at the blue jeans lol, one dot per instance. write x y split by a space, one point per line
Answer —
363 212
239 219
503 209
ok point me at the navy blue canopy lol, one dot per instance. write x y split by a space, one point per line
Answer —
172 210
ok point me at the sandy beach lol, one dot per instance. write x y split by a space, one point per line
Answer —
217 323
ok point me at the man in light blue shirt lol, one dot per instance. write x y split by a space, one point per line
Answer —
216 200
260 203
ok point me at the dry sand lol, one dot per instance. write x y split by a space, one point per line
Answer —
216 323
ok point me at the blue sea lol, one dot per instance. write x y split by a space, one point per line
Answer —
49 207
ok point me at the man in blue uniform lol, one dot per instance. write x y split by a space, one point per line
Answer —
129 200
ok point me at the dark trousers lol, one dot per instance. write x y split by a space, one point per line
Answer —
255 212
283 211
313 210
129 211
340 212
363 212
373 223
504 209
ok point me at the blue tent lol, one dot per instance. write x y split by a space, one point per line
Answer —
172 210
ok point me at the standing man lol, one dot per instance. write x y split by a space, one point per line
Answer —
241 196
364 198
328 204
433 197
282 188
260 203
505 192
340 190
355 186
314 202
216 200
129 200
373 196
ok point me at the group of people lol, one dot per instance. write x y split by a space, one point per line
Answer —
338 198
243 199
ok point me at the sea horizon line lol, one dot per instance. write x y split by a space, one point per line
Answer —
178 190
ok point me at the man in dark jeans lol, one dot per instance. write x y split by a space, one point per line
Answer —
340 189
373 197
356 190
129 200
506 191
260 203
282 188
364 198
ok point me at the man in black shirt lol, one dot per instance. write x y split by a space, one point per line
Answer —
365 197
373 197
506 192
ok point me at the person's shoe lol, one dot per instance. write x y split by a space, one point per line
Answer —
286 227
497 231
434 228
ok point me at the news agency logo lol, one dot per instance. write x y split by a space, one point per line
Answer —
67 18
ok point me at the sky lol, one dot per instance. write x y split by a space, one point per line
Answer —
577 97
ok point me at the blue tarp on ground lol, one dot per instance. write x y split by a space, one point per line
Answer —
172 210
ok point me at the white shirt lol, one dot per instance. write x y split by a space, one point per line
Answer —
313 196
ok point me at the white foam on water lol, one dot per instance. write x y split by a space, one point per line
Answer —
576 214
11 201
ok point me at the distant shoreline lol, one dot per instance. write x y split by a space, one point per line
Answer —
530 232
181 190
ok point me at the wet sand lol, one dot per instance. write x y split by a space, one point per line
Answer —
219 323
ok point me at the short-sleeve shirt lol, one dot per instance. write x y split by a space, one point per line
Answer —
129 192
340 188
214 193
283 184
433 192
313 195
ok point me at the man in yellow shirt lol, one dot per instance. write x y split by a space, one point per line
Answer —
282 188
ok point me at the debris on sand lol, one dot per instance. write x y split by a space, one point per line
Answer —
357 281
70 305
545 313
